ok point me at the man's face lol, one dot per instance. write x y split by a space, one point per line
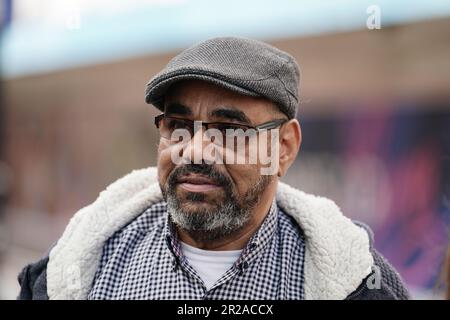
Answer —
212 201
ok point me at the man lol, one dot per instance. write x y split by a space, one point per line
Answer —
213 221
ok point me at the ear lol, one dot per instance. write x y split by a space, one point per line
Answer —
290 141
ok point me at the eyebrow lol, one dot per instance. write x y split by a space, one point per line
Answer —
230 113
178 109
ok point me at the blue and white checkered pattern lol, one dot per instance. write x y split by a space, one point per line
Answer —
144 261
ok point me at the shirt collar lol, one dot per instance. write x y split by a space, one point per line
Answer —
260 239
172 241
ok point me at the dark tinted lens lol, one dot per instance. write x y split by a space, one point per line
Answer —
174 124
168 125
228 128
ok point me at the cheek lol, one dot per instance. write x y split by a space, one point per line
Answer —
244 176
165 163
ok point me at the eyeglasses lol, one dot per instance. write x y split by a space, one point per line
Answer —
167 125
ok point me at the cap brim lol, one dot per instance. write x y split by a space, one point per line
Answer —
156 89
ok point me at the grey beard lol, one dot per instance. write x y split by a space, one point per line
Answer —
228 218
205 225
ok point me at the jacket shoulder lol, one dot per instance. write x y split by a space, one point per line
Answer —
384 282
33 281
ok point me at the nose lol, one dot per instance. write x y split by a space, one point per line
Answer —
200 149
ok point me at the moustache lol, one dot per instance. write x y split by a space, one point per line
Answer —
202 169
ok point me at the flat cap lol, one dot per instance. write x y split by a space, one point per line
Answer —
246 66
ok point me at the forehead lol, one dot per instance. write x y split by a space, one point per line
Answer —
201 95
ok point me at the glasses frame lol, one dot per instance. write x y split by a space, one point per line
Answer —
263 126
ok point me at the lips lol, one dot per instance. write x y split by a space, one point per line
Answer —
197 183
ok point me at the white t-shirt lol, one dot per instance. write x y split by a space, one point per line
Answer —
210 265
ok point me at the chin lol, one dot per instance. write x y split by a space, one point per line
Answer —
197 205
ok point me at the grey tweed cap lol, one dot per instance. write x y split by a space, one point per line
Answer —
246 66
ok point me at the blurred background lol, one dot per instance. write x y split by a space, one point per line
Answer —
375 112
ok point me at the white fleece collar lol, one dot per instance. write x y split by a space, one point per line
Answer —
337 252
